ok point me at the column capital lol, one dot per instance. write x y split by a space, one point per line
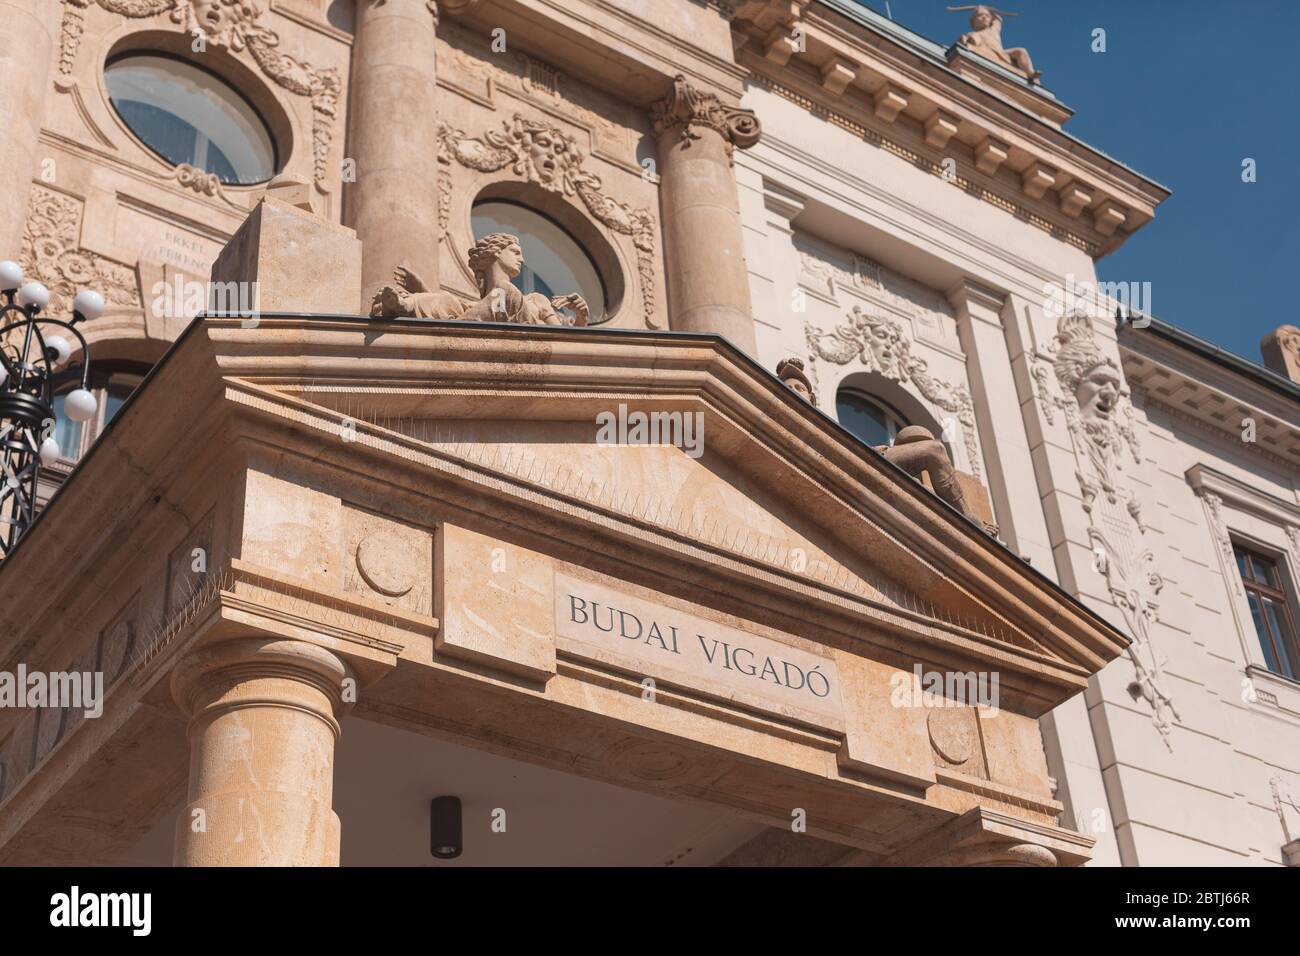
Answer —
984 837
1000 854
231 674
968 296
457 8
688 107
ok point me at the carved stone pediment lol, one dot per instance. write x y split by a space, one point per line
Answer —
461 497
686 486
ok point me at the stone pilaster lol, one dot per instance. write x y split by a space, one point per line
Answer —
25 59
708 282
263 726
1003 441
393 205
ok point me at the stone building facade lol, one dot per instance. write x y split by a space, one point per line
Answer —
339 558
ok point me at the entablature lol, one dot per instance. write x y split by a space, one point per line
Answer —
1259 418
929 112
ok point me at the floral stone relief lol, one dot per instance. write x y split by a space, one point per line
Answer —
52 255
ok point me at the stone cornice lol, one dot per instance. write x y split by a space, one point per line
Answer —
1243 497
1195 389
615 49
781 161
844 69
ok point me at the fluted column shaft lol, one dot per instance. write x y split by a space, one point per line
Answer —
708 280
393 136
263 726
25 60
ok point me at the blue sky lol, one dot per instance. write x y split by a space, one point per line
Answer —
1184 92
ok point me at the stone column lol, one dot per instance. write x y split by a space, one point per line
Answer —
1000 854
25 58
708 282
263 725
393 137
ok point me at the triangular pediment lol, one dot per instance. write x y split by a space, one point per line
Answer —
768 500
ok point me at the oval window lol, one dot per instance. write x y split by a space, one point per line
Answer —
554 263
187 115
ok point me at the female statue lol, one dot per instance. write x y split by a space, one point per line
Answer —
494 260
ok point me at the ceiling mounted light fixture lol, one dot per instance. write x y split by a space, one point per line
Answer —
445 840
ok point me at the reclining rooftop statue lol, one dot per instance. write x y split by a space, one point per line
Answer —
494 260
915 449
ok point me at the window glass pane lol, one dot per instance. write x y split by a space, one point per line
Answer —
1241 566
1277 620
864 418
112 402
1261 629
187 115
1266 572
554 263
66 432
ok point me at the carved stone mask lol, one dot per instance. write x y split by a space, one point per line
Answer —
885 342
222 21
1098 392
542 155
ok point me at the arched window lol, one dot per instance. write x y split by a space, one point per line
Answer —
554 262
187 115
111 385
870 419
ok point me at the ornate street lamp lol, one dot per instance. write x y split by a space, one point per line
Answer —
28 358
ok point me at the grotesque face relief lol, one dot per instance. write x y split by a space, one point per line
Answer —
544 154
884 339
541 153
1098 393
882 343
222 22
